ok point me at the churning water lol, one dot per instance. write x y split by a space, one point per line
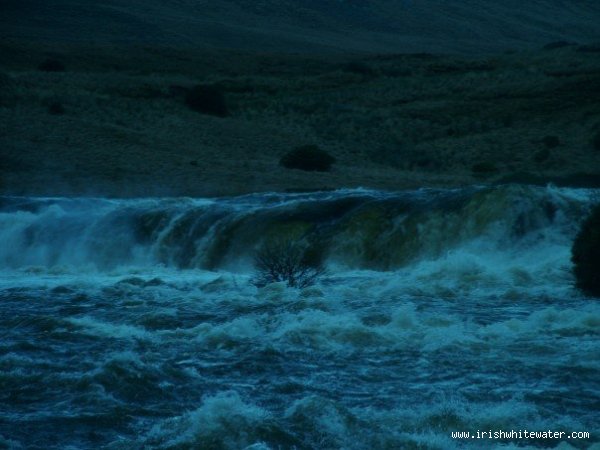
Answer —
132 324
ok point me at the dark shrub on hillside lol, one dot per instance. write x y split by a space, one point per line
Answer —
358 68
56 109
6 81
288 261
207 100
594 48
308 157
585 255
558 44
596 141
175 90
541 155
551 141
52 65
484 167
508 121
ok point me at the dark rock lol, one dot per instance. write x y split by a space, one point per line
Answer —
585 255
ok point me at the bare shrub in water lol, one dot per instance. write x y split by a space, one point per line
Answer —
286 260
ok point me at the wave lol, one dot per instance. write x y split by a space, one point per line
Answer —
350 229
226 420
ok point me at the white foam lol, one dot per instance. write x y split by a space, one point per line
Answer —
224 417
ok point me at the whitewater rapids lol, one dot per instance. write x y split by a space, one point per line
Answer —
132 323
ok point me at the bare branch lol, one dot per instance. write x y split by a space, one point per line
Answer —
285 260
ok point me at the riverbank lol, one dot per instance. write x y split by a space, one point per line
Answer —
113 121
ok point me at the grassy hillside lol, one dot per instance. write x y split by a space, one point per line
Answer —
115 120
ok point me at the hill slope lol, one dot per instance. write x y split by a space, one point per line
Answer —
397 26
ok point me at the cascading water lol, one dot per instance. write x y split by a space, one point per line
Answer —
129 324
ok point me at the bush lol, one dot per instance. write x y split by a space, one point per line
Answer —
484 167
594 48
596 141
56 109
358 68
551 141
541 155
6 81
558 44
207 100
52 65
288 261
585 255
309 158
